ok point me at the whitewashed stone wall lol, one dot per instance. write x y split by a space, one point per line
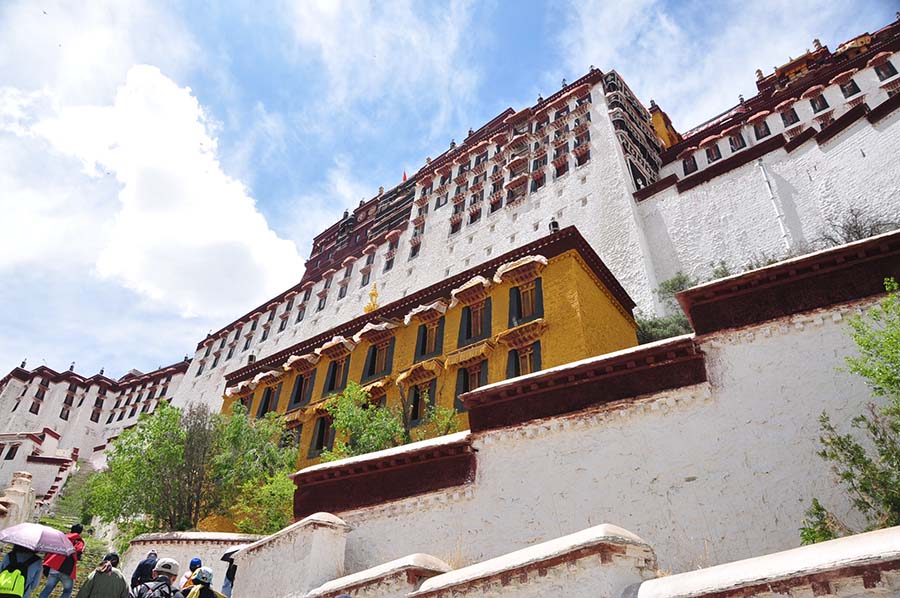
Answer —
17 502
394 579
184 546
702 473
862 565
598 561
731 218
295 560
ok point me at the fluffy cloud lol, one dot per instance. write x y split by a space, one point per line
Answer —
313 212
185 234
694 62
396 54
125 236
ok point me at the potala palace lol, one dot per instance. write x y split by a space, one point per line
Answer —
503 279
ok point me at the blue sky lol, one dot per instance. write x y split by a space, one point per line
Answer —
163 165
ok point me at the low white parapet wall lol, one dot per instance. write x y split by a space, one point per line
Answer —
17 502
183 546
395 579
294 560
848 567
597 562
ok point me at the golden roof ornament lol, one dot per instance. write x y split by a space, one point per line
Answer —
372 305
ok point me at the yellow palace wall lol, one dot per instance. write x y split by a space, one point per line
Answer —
581 319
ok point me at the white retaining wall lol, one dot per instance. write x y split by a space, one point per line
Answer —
706 474
183 546
295 560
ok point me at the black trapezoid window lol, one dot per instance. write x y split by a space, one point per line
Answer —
475 323
526 303
379 360
322 437
421 400
269 401
336 376
468 379
525 360
302 390
429 340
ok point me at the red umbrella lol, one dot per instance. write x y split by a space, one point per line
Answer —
38 538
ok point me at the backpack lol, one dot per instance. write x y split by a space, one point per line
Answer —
12 579
160 590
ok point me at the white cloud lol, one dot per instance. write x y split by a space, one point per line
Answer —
124 234
393 56
82 50
313 212
185 235
692 60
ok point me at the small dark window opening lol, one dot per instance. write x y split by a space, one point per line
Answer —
819 103
850 88
885 71
789 117
761 129
468 379
322 438
689 165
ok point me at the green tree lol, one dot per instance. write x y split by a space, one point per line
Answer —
264 508
659 327
178 467
362 426
868 469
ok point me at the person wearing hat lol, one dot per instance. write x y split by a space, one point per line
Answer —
165 573
203 579
144 571
106 581
187 580
62 568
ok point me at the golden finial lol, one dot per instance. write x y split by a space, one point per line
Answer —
372 305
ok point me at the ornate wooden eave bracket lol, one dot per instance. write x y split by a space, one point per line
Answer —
425 314
301 363
421 372
472 291
524 269
523 335
376 390
471 355
375 333
337 348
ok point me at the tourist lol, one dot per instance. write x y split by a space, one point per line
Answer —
27 562
144 571
106 581
203 579
63 568
165 573
187 580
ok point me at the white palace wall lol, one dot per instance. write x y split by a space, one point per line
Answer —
731 218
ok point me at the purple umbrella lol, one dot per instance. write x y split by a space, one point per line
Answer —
38 538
